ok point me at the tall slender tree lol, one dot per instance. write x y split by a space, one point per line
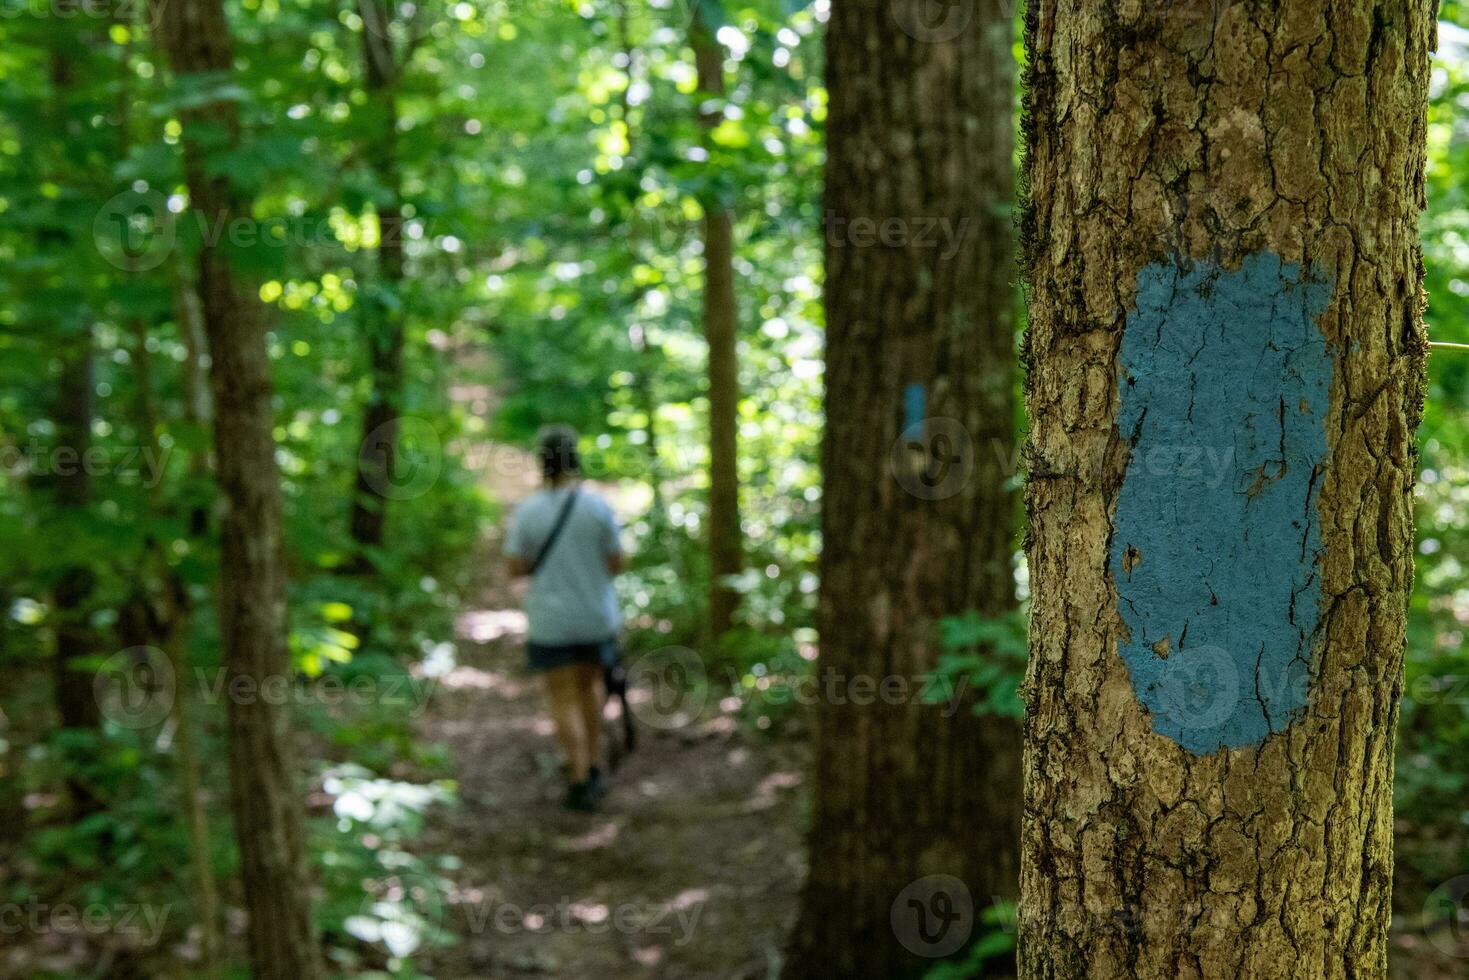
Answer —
72 413
721 332
918 515
266 802
377 459
1225 361
648 356
159 612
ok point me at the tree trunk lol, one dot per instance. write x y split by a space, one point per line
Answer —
263 778
648 357
726 552
167 624
918 515
1226 359
72 490
377 458
71 493
188 312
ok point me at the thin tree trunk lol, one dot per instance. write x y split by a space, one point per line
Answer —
721 333
71 492
649 356
914 803
265 794
188 312
1226 357
168 624
377 458
196 816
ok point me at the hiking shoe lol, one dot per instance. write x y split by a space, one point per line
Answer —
581 798
596 787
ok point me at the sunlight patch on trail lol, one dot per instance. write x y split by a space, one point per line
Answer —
597 839
489 625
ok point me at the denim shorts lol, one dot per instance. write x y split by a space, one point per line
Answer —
543 657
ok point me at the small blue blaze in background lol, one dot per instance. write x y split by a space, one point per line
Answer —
1224 387
915 407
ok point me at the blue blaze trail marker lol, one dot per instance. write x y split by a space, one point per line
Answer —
1224 389
915 409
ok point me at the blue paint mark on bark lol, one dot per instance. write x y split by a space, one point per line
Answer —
915 407
1224 391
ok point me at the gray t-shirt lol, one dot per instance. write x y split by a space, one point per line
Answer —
571 598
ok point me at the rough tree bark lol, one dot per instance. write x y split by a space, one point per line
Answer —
1226 356
918 520
377 458
721 332
265 798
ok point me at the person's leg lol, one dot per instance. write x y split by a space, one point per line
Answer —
562 687
591 697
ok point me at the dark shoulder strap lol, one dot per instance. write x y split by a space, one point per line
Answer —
556 530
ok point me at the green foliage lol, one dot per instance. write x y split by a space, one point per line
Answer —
1431 789
993 943
550 171
986 654
402 912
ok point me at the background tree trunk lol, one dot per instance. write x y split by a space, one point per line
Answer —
918 516
377 458
164 620
70 485
721 331
1222 242
263 778
73 594
188 313
648 357
76 703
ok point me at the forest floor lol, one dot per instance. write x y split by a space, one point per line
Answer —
691 870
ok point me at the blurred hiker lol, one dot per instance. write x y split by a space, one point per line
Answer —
567 539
